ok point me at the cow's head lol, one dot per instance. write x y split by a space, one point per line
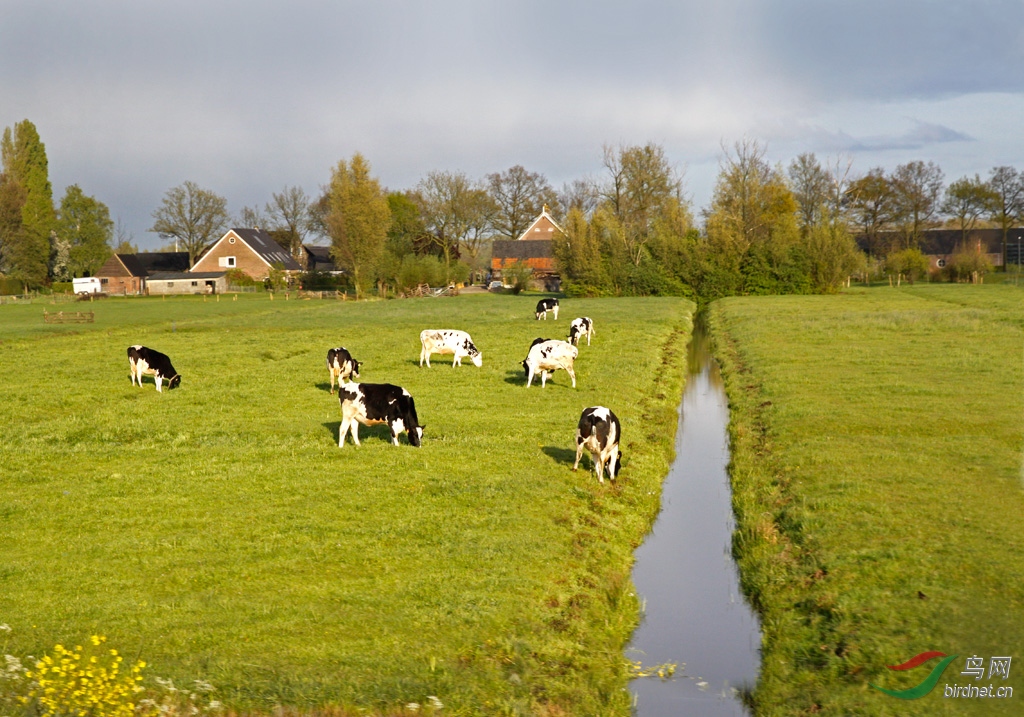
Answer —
355 368
175 381
478 359
416 436
526 366
574 335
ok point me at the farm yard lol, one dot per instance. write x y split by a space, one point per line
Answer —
218 532
877 478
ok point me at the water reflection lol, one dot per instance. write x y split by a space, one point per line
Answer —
694 612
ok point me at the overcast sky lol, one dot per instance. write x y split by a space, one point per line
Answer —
245 98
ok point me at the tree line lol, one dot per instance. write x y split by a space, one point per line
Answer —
630 231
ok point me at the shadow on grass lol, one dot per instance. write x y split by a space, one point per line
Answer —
516 377
564 456
380 431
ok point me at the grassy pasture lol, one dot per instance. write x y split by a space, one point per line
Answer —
218 531
877 475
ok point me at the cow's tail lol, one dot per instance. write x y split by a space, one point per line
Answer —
591 426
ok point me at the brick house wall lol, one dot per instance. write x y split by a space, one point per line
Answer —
233 253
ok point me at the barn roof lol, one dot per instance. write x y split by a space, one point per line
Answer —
185 275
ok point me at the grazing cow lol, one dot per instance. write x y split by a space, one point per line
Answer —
341 365
373 403
546 305
448 341
143 361
599 432
580 327
547 357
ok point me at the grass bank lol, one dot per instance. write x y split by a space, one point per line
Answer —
876 472
218 532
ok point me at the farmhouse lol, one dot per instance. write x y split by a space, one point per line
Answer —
187 282
251 251
127 273
533 248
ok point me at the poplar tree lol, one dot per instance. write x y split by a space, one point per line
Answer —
357 220
24 163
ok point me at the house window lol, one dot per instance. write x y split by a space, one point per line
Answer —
231 240
195 283
231 261
228 261
941 263
170 283
104 281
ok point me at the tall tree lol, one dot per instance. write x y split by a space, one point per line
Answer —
357 220
917 192
1008 184
456 212
12 228
640 187
752 205
290 217
579 194
518 196
192 215
966 200
24 162
872 203
810 183
85 224
578 253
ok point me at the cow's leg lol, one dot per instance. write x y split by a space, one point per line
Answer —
613 458
342 430
529 376
544 378
579 454
394 435
423 351
599 467
157 378
572 375
355 431
588 338
456 360
556 312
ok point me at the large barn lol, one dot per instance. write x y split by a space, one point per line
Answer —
533 248
128 273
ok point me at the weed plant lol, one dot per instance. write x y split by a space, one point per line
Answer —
218 532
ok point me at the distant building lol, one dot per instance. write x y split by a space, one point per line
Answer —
939 245
318 258
187 282
128 273
251 251
533 248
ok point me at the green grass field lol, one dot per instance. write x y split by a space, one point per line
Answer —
877 475
218 532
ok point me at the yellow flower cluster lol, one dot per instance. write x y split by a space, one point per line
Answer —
84 683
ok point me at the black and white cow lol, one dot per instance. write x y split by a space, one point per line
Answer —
546 305
448 341
580 327
599 432
143 361
341 366
549 356
374 403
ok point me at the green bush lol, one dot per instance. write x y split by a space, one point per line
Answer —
10 286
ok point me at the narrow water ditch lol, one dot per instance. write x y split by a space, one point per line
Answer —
694 614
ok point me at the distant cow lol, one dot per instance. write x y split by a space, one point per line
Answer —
546 305
599 432
341 366
580 327
143 361
373 403
448 341
547 357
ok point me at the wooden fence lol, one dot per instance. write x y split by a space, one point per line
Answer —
69 317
